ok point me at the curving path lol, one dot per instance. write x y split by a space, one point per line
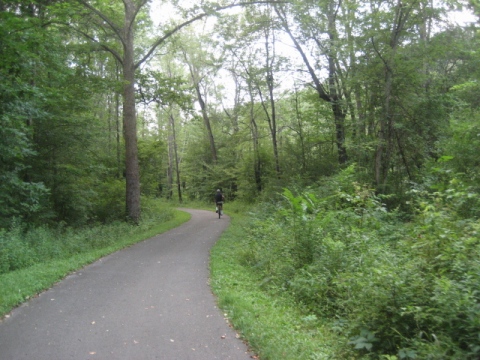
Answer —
149 301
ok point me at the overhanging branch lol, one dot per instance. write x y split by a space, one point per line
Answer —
92 39
318 85
177 28
105 18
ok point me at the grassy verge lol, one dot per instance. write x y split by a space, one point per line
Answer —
20 285
272 325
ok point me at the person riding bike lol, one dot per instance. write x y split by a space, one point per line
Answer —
219 199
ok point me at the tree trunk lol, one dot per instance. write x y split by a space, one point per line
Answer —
118 135
335 100
257 162
332 96
132 173
175 156
300 132
273 125
206 120
386 132
171 161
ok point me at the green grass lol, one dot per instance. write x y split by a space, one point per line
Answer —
272 325
20 285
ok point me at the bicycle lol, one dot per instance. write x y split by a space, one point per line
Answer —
220 209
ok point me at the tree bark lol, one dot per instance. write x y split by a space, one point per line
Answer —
118 135
257 163
386 132
132 174
206 121
300 132
175 156
332 96
171 161
203 107
272 119
335 100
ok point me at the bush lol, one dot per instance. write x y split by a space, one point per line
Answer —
14 252
407 290
21 247
109 202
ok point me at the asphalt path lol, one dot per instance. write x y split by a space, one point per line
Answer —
149 301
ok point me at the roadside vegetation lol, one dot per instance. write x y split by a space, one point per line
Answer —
345 136
328 272
32 260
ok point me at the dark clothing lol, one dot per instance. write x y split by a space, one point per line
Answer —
219 197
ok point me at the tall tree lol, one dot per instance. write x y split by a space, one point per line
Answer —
121 25
173 158
197 64
270 59
19 194
386 138
314 30
44 89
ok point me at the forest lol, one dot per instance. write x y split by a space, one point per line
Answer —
348 132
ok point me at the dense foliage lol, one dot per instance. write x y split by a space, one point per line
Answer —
391 287
56 159
383 85
367 111
21 247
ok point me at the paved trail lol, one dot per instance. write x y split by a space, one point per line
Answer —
150 301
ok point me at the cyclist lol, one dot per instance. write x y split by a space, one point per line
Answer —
219 199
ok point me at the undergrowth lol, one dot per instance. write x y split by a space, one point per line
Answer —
386 288
31 260
272 324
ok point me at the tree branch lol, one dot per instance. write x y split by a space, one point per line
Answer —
135 12
177 28
318 86
102 16
380 55
92 39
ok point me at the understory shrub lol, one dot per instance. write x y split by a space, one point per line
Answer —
394 289
21 247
